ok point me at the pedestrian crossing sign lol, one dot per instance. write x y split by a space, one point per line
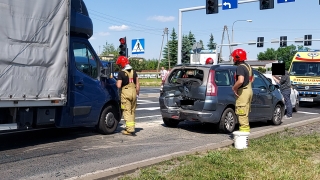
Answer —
137 46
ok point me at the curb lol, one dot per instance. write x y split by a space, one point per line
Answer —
131 167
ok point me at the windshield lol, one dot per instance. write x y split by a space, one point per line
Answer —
305 69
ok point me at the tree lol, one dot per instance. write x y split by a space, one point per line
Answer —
185 49
192 40
110 49
173 53
269 54
284 54
211 44
201 42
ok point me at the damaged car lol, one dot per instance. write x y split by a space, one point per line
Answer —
204 93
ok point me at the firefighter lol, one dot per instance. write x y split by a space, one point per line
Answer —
242 88
128 84
209 61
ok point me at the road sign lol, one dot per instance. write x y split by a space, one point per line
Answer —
197 47
285 1
137 46
229 4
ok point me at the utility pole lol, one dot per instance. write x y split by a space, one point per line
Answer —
166 31
225 28
161 52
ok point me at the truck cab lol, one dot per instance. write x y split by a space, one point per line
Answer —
60 81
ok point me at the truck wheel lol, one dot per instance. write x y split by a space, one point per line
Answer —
277 115
109 121
171 122
228 121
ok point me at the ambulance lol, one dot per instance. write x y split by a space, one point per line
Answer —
305 75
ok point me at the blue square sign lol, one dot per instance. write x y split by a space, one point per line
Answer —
285 1
229 4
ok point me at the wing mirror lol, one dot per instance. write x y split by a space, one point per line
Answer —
277 86
272 87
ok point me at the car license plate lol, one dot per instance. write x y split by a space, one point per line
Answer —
307 99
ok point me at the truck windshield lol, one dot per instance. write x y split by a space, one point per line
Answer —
305 69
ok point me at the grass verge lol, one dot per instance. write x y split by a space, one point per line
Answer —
277 156
150 82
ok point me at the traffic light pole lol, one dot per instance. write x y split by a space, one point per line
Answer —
272 41
194 9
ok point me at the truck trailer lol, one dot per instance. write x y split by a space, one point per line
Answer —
50 76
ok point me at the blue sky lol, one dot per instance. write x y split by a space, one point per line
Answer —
147 19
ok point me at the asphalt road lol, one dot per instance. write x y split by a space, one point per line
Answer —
66 153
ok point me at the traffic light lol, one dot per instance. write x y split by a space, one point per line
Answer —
260 41
283 41
266 4
308 40
212 7
123 47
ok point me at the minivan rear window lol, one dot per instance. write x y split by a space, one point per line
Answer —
222 78
185 73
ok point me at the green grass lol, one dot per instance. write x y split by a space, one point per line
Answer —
282 156
150 82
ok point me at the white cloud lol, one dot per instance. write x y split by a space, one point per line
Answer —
92 38
119 28
103 33
162 18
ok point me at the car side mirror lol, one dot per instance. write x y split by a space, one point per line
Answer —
277 86
272 87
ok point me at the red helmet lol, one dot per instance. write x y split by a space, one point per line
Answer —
122 61
209 61
239 55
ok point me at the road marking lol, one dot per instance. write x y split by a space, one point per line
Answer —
150 108
143 117
149 103
306 112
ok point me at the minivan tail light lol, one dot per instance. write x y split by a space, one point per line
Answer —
211 84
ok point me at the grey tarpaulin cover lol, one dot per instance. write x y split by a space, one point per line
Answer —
33 49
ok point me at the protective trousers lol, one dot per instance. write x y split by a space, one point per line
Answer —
243 105
129 103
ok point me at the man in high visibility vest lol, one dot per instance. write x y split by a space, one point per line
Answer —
128 83
242 88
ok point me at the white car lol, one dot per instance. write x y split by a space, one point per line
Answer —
293 96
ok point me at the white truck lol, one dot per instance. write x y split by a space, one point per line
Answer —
201 57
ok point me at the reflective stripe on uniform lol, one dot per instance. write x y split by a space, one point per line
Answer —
130 123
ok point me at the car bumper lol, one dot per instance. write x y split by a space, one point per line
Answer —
190 115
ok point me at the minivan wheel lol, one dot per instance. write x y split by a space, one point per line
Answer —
277 115
171 122
228 121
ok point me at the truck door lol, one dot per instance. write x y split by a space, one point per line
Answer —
87 93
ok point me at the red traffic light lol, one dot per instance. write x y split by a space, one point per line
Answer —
122 40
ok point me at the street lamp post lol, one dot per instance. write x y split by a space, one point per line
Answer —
235 22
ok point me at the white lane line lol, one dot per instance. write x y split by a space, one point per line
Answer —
143 117
148 103
306 112
150 108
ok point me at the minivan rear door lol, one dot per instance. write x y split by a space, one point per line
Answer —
185 87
